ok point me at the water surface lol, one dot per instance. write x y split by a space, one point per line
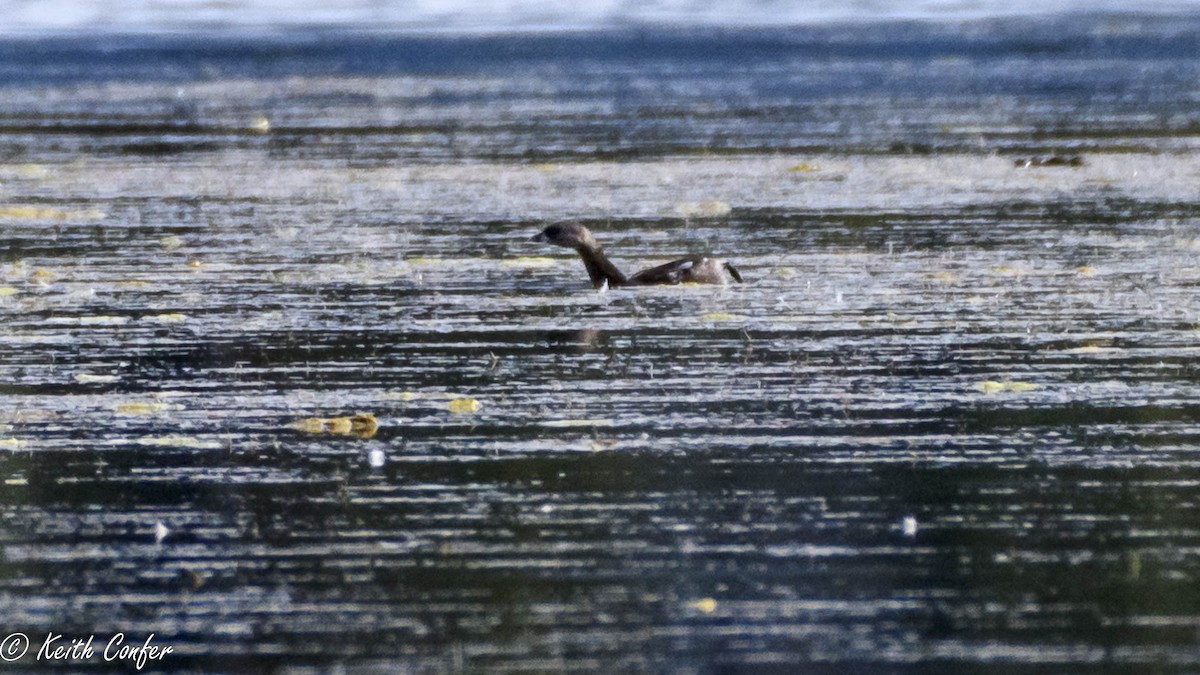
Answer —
950 422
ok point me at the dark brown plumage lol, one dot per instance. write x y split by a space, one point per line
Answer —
693 270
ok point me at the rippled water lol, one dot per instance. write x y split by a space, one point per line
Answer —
949 422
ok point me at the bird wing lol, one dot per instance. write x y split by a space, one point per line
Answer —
670 273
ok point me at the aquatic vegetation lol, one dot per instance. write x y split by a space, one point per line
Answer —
1093 349
101 320
47 213
529 261
29 171
179 442
444 262
1005 386
146 407
360 425
463 405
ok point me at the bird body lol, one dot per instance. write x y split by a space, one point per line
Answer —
601 270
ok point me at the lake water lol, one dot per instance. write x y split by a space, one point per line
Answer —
284 383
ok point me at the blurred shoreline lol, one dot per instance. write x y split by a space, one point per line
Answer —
261 18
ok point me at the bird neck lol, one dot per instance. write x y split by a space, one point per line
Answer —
600 268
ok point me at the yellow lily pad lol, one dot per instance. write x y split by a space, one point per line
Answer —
361 425
173 317
1015 386
310 425
103 320
463 405
32 171
424 261
32 213
18 212
145 408
180 441
991 386
529 261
